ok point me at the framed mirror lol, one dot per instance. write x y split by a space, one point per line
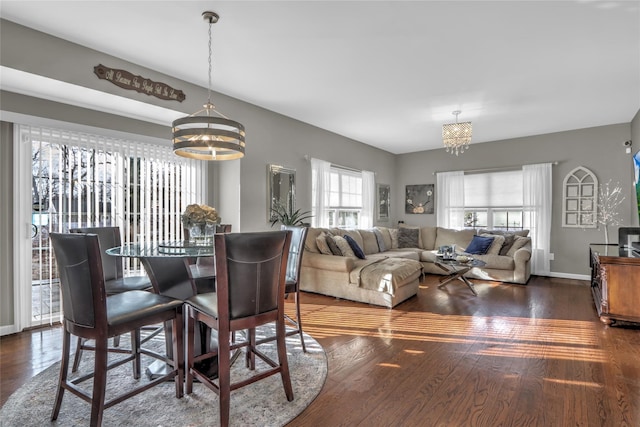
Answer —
281 191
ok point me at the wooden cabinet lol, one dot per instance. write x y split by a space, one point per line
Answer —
615 283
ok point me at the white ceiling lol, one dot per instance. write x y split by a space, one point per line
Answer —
386 73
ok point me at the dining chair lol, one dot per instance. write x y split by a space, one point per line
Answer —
298 238
251 270
90 313
115 282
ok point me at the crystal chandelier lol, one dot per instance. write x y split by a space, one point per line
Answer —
456 136
204 136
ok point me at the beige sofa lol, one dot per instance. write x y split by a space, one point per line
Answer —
388 277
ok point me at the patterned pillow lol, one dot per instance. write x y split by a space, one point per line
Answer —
380 239
335 250
357 250
408 237
323 247
343 245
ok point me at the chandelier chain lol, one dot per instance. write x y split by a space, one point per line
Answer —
210 66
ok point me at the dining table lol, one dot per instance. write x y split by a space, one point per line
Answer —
178 269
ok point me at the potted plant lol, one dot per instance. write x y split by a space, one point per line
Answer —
280 214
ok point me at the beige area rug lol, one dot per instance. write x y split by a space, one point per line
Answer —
260 404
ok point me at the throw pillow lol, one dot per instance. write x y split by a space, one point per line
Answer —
517 244
479 245
412 228
408 237
335 250
357 250
394 238
343 245
496 246
323 247
380 239
508 242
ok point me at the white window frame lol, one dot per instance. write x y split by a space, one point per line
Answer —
22 209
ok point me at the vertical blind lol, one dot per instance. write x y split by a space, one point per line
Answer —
87 180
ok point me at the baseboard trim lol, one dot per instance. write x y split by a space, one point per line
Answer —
570 276
8 329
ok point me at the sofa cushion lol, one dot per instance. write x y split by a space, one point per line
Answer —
380 240
357 250
408 237
496 246
428 237
369 242
310 244
321 242
386 236
518 242
448 237
335 250
479 245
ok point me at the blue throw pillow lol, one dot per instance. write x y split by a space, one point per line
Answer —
354 246
479 245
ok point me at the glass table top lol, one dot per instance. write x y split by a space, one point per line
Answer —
174 248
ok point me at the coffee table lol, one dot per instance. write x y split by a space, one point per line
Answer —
456 270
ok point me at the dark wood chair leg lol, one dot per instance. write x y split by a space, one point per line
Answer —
178 351
250 355
299 321
190 319
64 368
224 376
282 359
99 382
135 350
78 355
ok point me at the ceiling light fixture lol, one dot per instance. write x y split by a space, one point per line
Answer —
456 136
204 136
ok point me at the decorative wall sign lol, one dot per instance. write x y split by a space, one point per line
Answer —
129 81
419 199
384 200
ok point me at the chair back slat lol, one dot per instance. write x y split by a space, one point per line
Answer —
81 277
108 237
251 269
298 237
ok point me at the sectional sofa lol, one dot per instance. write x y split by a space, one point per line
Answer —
386 266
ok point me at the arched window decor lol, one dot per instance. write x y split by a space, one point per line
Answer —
580 199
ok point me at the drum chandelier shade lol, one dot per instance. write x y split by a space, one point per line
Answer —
456 136
203 135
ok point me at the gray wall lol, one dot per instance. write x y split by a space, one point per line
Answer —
6 226
599 149
238 188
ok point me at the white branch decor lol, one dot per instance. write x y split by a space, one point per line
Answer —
609 200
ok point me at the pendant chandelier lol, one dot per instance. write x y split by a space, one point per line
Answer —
456 136
208 134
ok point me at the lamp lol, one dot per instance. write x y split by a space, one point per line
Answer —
456 136
204 136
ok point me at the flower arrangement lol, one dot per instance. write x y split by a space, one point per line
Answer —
199 215
609 200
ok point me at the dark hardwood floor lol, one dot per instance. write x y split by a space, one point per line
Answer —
515 355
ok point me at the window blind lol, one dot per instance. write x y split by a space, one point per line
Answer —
493 189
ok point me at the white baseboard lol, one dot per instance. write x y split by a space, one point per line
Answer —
570 276
8 329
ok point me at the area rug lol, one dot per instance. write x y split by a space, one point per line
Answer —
259 404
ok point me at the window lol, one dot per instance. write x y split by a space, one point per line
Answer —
493 200
345 198
79 180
